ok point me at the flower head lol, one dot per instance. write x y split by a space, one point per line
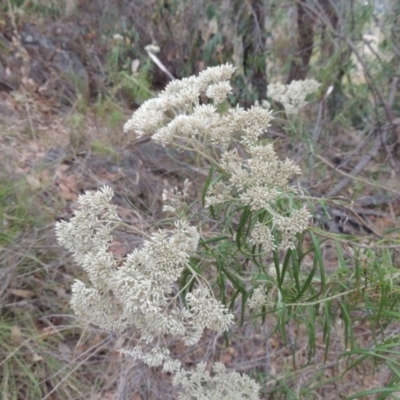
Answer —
292 96
220 385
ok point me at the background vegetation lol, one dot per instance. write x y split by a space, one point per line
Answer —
71 73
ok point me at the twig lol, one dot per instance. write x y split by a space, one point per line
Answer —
151 50
358 149
318 124
366 181
358 168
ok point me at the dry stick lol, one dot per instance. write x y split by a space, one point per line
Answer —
358 168
366 181
151 53
358 149
318 124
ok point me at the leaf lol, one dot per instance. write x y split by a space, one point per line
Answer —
246 215
25 294
16 333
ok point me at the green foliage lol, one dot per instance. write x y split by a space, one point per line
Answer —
101 149
18 209
109 112
129 71
77 121
43 8
29 364
137 87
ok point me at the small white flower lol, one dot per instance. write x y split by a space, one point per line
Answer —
220 385
117 37
292 96
148 118
290 226
214 75
207 312
258 299
141 292
261 236
218 193
219 91
152 48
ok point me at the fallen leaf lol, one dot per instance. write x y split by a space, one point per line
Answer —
118 344
25 294
16 333
65 352
36 357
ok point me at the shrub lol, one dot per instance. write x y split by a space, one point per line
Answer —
175 284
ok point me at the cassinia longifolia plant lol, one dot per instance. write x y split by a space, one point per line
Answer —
145 291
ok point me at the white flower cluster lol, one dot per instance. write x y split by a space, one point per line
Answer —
258 179
88 235
261 236
177 113
292 96
290 226
259 182
140 293
221 385
258 299
287 228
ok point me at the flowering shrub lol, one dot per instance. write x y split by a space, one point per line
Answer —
160 289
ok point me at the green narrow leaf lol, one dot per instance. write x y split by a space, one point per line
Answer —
277 266
284 267
235 281
296 269
184 279
357 268
246 214
311 326
348 333
308 281
373 391
319 258
341 260
212 240
281 326
221 285
327 329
